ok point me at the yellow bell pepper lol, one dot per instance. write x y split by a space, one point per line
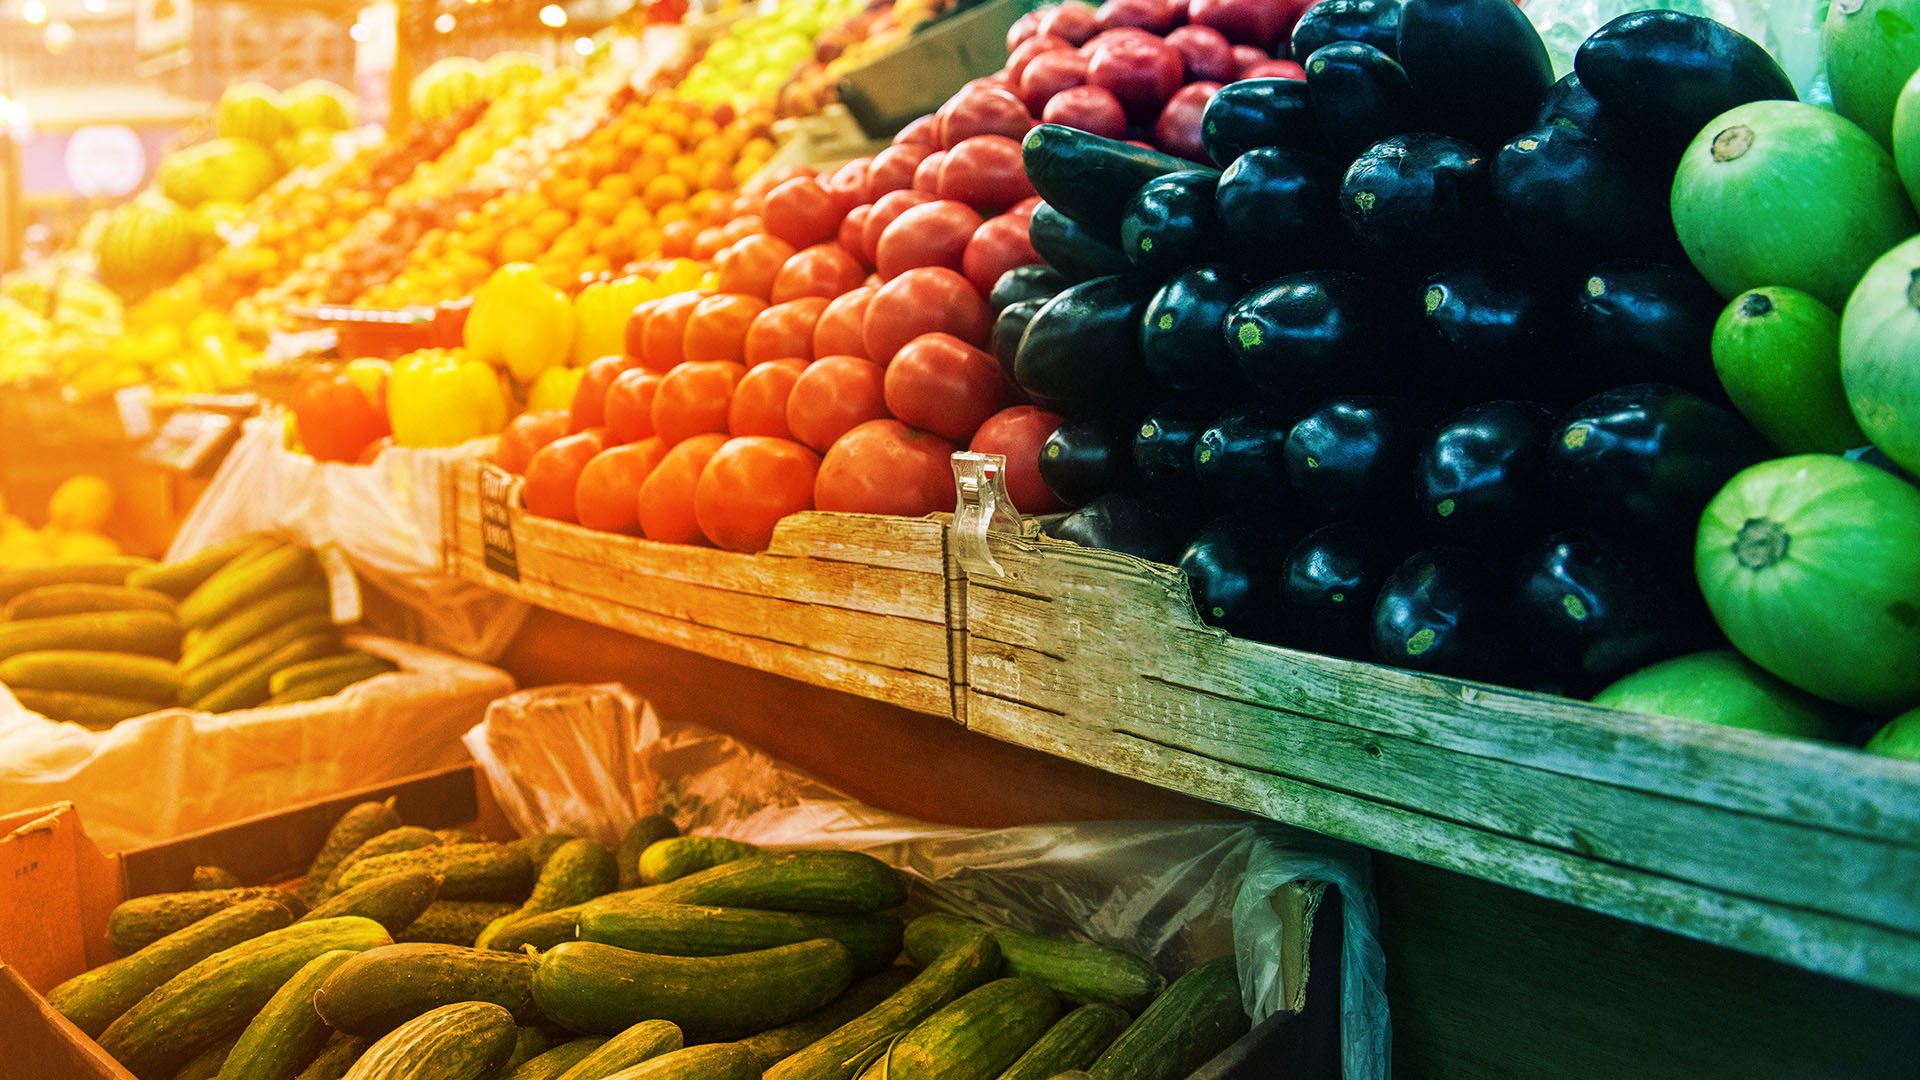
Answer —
554 389
437 397
601 312
520 322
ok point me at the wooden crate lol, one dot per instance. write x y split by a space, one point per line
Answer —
1805 853
847 601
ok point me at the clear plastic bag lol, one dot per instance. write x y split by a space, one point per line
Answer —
590 760
1789 29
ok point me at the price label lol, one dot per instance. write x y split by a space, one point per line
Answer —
497 492
135 405
343 585
191 442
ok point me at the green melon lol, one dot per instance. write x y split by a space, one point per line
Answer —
1777 351
1720 687
1900 737
1872 47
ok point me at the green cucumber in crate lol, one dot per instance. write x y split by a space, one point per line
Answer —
598 989
396 901
771 1046
555 1063
468 1040
361 823
1074 1042
677 856
391 842
541 846
1080 971
576 872
468 871
694 930
134 924
382 988
529 1042
207 1065
644 1041
287 1034
644 834
335 1058
719 1061
844 882
1198 1017
977 1035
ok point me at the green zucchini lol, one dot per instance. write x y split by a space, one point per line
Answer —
691 930
554 1063
453 922
177 579
466 1040
217 996
575 873
393 841
770 1046
287 1034
677 856
541 846
719 1061
382 988
1072 1043
254 620
94 999
208 1063
134 924
529 1042
976 1035
361 822
209 878
468 871
598 989
341 1051
1079 971
844 882
248 689
202 679
395 901
86 671
644 1041
645 833
1197 1018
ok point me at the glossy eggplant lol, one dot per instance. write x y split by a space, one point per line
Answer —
1360 96
1641 462
1416 198
1181 339
1489 324
1637 321
1569 105
1301 335
1569 199
1351 456
1087 457
1164 441
1331 579
1236 568
1372 22
1665 74
1036 282
1089 178
1259 112
1241 458
1082 347
1144 526
1071 250
1591 609
1482 475
1278 209
1444 610
1169 223
1478 67
1009 327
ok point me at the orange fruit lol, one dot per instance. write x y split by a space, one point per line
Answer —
520 245
662 190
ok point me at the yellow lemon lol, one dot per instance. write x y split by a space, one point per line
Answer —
80 503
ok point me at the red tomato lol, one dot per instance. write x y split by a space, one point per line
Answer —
1274 69
718 328
926 176
892 168
1089 108
1153 16
665 338
822 271
853 232
886 467
832 397
1023 29
708 242
890 206
1024 208
1245 56
665 504
924 300
802 212
608 493
783 330
921 131
748 485
335 417
1075 21
1207 53
525 434
750 265
1143 72
1021 55
1264 24
931 234
1018 434
590 396
997 247
759 405
636 345
1178 129
944 385
848 185
554 472
986 173
841 330
742 227
693 398
629 405
1048 74
983 110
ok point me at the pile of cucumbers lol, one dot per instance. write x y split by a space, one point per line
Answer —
409 952
238 625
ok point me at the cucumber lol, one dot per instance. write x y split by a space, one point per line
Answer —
177 579
217 996
843 882
243 626
541 846
1079 971
542 932
287 1034
467 1040
202 679
149 633
644 1041
94 999
1072 1043
361 822
114 674
645 833
241 584
577 872
80 598
468 871
1199 1016
689 930
395 901
463 836
207 1065
678 856
770 1046
598 989
528 1043
382 988
329 683
554 1063
209 878
113 571
341 1051
135 924
721 1061
977 1035
393 841
248 689
840 1053
453 922
347 661
97 711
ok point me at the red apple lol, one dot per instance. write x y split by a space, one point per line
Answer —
1142 72
982 111
1048 74
1153 16
1089 108
1074 20
1018 59
1178 129
1275 69
1207 52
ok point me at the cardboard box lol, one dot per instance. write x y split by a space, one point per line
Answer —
918 77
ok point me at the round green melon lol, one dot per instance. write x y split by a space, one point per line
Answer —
1777 351
1811 566
1721 687
1872 47
1880 354
1906 138
1900 737
1783 193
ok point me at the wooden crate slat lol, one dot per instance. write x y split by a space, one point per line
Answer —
868 539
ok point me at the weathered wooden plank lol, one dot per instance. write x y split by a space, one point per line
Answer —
867 539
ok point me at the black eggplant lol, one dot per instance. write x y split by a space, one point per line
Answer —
1082 347
1278 208
1236 568
1350 457
1241 458
1089 178
1258 112
1416 198
1664 74
1489 324
1169 223
1641 462
1070 249
1444 610
1180 334
1640 321
1036 282
1483 474
1164 440
1332 577
1087 457
1301 335
1478 66
1570 199
1009 327
1591 609
1359 95
1144 526
1374 22
1569 105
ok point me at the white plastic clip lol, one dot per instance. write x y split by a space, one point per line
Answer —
983 508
